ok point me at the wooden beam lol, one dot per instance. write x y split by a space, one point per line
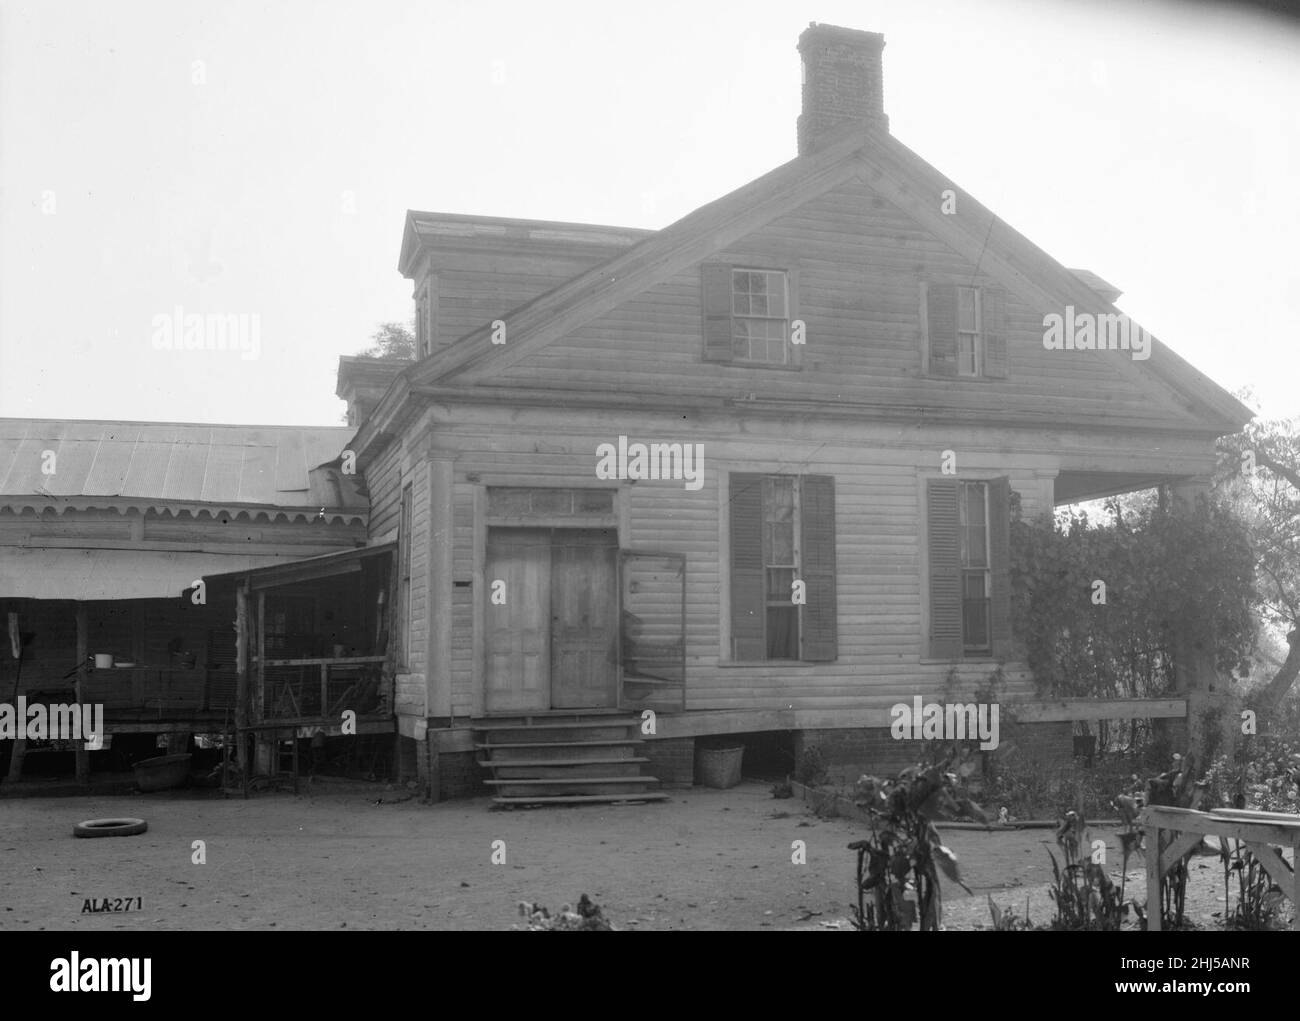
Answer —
1271 861
1071 709
83 651
1178 848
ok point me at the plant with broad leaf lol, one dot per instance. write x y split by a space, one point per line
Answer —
899 864
1085 897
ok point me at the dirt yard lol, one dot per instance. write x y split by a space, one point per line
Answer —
706 859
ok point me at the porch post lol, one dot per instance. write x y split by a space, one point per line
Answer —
241 674
1195 647
83 644
438 585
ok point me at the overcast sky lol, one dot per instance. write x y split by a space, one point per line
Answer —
258 158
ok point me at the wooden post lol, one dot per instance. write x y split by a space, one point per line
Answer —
432 749
241 679
1155 909
83 651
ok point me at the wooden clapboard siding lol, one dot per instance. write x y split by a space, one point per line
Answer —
473 290
861 266
879 478
417 476
383 479
462 600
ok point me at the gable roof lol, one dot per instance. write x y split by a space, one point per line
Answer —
852 151
176 466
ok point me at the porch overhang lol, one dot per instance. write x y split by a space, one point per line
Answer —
327 565
1078 486
34 572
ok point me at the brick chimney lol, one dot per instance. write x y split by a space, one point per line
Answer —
842 81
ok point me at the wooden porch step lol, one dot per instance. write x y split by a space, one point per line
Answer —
530 763
550 724
552 782
560 744
581 799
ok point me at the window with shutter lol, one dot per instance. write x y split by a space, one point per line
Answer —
968 541
943 524
966 330
782 532
747 315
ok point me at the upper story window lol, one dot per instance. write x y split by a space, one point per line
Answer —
975 582
966 330
760 324
969 346
748 312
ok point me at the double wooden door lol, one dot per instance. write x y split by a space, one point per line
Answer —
551 619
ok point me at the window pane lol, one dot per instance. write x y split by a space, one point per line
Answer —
778 520
740 331
966 310
593 501
780 584
782 632
552 501
508 501
975 610
974 531
776 295
966 354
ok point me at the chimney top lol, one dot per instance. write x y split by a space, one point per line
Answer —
842 81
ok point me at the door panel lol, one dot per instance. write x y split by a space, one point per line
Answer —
518 633
584 620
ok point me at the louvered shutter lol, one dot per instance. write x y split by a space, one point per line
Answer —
942 527
748 603
1000 566
817 508
941 316
716 302
994 323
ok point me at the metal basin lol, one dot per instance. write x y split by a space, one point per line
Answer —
163 772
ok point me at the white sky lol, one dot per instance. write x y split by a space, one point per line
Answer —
1157 146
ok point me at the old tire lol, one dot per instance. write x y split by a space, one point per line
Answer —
109 828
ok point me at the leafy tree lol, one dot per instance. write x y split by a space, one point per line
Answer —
392 341
1259 475
1160 568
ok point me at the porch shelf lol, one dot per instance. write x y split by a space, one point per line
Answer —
343 661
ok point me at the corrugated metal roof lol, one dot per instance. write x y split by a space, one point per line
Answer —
40 573
221 465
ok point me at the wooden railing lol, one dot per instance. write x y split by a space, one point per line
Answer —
287 693
1171 834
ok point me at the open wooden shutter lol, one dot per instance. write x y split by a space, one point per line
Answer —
994 323
941 317
1000 566
716 283
748 601
817 507
942 535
